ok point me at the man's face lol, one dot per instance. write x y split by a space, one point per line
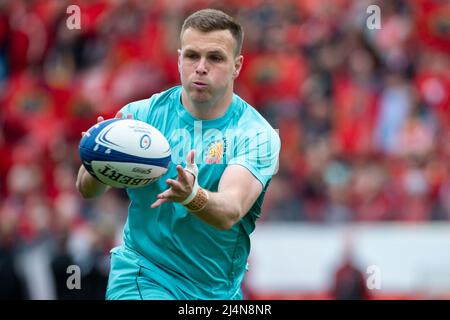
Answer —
207 64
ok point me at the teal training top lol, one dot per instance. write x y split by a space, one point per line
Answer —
203 261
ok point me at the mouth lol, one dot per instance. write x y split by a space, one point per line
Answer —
199 84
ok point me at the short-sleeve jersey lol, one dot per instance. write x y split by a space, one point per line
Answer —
203 261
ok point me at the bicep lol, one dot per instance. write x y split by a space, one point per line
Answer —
241 185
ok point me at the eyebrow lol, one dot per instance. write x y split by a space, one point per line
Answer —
219 52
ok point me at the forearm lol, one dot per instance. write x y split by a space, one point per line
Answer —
237 192
221 210
88 186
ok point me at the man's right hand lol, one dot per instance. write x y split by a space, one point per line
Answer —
119 115
87 185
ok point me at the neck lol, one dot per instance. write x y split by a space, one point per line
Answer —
207 110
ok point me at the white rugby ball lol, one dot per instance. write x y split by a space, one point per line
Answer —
125 153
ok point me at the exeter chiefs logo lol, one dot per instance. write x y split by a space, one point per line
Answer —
215 151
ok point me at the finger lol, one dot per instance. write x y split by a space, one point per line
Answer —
181 174
100 119
157 203
83 133
119 114
129 116
191 157
168 194
175 185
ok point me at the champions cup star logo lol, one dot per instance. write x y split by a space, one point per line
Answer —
214 152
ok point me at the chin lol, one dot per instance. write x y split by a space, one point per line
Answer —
200 97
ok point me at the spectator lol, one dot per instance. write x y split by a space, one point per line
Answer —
349 281
12 285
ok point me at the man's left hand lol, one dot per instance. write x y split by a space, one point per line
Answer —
180 188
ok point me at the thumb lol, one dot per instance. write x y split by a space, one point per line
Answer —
191 157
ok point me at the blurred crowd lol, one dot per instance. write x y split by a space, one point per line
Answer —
363 114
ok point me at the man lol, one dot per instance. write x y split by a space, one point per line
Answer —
187 234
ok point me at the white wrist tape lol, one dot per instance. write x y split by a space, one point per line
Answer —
192 168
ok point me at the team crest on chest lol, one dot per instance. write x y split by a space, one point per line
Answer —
215 151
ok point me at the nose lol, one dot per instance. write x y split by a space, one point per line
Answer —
201 67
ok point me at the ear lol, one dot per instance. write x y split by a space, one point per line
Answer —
238 61
179 60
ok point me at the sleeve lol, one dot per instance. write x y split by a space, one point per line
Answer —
258 151
139 109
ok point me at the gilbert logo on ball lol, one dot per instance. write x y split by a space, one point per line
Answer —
125 153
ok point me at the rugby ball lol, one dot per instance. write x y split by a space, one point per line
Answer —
125 153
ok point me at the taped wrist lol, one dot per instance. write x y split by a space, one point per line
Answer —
199 202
